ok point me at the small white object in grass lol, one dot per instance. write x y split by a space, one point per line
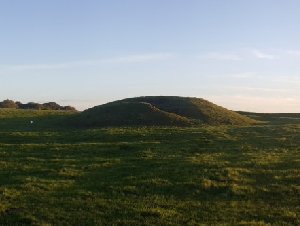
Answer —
31 122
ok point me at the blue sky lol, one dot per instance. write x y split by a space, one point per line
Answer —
244 55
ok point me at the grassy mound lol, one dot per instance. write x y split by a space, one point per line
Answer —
130 113
160 111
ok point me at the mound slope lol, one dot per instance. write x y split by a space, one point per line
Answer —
161 110
197 109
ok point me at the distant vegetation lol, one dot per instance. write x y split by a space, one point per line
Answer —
31 105
162 111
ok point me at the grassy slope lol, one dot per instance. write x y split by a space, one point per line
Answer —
148 176
161 110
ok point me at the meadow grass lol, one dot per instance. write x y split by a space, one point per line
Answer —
212 175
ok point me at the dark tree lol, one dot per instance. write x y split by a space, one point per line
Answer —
8 104
31 105
68 108
51 106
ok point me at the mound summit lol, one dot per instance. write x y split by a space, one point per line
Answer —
160 111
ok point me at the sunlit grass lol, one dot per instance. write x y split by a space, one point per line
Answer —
149 176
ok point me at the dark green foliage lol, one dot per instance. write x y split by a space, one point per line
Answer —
30 105
68 108
210 175
8 104
160 110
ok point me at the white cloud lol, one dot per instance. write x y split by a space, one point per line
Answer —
138 58
262 55
222 56
246 54
258 89
244 75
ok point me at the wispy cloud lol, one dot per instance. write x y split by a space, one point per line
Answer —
291 80
258 89
222 56
276 53
263 55
295 53
246 54
141 58
243 75
129 59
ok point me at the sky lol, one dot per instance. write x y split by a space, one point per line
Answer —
243 55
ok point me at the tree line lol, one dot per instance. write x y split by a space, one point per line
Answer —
31 105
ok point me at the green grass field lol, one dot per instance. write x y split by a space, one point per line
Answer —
210 175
